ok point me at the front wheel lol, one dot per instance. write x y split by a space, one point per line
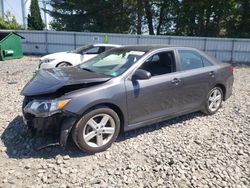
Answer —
213 101
96 130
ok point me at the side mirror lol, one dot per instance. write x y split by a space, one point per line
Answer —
141 75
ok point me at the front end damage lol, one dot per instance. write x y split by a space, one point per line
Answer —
58 125
46 96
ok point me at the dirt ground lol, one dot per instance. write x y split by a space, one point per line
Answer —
190 151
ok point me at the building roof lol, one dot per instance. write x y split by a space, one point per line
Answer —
3 35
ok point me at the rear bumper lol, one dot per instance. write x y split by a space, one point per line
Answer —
59 124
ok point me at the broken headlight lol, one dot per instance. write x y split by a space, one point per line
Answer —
43 108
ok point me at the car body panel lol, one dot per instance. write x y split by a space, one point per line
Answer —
50 80
195 85
111 92
146 100
141 102
57 58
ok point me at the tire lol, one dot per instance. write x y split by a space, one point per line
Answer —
91 135
210 108
63 64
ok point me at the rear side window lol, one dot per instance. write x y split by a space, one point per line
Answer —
206 62
190 60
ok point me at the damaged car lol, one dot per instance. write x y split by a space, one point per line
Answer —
73 57
123 89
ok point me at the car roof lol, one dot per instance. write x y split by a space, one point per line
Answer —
107 45
145 48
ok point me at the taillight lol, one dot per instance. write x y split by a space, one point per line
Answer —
231 69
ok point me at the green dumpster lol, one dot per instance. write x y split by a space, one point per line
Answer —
10 46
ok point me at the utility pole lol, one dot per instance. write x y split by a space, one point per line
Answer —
1 9
23 4
45 14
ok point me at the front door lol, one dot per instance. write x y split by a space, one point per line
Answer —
157 96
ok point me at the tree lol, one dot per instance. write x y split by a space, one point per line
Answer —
203 18
34 18
9 22
209 18
90 15
149 16
244 23
135 9
238 23
165 16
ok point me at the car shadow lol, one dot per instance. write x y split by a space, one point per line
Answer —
21 143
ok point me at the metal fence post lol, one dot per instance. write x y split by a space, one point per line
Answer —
138 39
74 40
205 45
46 42
232 52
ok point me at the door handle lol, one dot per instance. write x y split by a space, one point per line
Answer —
211 73
176 81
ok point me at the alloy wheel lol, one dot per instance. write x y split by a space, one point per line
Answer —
99 130
214 100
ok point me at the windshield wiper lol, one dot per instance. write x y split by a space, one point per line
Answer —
89 70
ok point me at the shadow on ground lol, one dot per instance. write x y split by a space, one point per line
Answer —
20 143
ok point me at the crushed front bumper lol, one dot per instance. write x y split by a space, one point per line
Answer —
59 124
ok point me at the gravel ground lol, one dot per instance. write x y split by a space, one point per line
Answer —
190 151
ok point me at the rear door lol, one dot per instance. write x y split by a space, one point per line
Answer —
197 75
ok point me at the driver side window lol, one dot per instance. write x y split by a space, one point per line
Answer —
159 64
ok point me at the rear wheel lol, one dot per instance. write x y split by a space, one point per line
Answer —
214 101
96 130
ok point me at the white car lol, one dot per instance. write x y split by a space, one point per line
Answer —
74 57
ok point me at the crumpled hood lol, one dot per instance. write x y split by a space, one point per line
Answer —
51 80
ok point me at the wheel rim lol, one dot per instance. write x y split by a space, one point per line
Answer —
99 130
214 100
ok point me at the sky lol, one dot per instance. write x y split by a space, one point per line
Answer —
14 6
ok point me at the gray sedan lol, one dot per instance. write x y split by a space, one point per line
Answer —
124 89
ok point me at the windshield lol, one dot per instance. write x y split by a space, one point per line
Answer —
113 62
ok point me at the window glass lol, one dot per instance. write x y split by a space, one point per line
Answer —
93 50
206 62
190 60
101 49
113 62
81 49
161 63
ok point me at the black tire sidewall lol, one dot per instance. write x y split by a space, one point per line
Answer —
207 110
59 65
78 130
